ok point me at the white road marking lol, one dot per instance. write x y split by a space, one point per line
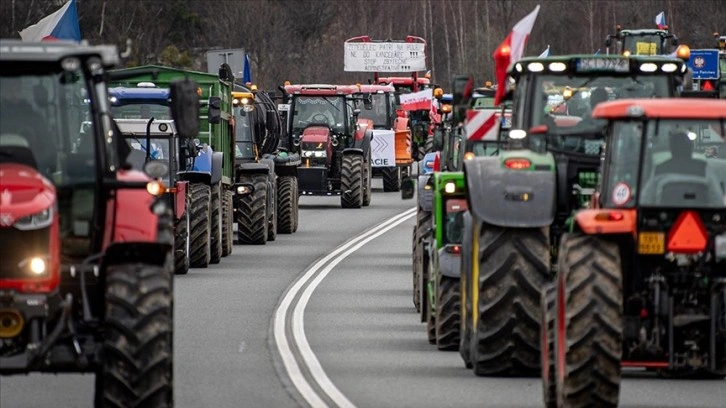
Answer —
298 330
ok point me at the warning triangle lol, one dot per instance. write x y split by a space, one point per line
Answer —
688 234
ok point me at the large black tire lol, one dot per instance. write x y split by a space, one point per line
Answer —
429 146
448 313
137 368
216 225
414 268
272 216
423 220
391 179
351 181
296 198
286 199
367 181
227 223
465 291
182 242
547 342
428 315
200 222
589 349
514 265
252 222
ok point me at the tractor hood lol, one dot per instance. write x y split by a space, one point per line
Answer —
23 191
316 134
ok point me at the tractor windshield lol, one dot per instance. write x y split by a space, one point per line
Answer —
328 111
379 113
139 109
157 147
243 134
484 148
42 124
643 44
482 102
454 223
683 164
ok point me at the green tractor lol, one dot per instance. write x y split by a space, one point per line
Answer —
521 201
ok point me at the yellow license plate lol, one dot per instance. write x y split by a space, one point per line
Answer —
651 243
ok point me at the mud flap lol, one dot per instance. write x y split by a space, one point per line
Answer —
449 264
509 198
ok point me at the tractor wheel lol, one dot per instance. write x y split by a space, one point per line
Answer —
514 265
296 200
391 179
216 226
448 313
286 204
589 322
138 353
547 342
367 181
251 220
423 284
272 217
429 315
429 145
421 152
414 263
227 221
182 242
465 292
200 221
423 219
351 181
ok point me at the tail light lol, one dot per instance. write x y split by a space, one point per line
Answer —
517 164
609 216
453 249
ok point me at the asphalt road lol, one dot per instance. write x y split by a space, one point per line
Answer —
359 322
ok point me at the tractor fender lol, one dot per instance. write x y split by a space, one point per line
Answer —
363 143
203 161
252 168
449 264
270 163
287 168
509 198
217 161
196 177
425 196
180 198
353 150
134 221
607 221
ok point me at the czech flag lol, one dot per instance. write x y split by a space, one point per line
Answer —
660 20
61 25
511 50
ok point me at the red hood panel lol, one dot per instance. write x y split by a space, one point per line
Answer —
316 134
23 191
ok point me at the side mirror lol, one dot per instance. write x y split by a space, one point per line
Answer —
185 107
368 103
215 109
462 87
408 188
156 169
356 112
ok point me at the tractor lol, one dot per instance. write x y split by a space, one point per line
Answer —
266 196
420 121
86 278
390 134
211 174
641 42
143 117
522 199
641 273
334 149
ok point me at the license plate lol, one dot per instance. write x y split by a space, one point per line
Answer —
651 243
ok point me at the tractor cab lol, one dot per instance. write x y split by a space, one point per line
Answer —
379 105
322 124
642 42
245 136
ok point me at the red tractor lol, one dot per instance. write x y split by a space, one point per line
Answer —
641 277
87 262
333 146
420 121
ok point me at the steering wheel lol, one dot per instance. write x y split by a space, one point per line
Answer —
316 118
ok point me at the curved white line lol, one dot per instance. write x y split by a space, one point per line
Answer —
281 341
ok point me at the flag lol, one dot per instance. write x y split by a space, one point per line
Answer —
511 50
660 20
247 72
61 25
545 53
421 100
597 52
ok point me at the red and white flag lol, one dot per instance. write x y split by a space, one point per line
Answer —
511 50
420 100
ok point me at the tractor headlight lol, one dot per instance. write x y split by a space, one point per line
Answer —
320 153
243 189
450 187
41 219
155 188
35 265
